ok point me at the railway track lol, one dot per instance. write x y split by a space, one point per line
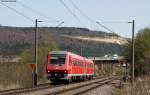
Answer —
62 89
23 90
81 89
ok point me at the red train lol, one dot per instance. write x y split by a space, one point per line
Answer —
64 65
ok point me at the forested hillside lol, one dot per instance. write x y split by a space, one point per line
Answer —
13 40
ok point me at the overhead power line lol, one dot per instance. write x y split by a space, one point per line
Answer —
69 10
60 24
33 10
88 18
8 0
117 22
104 27
17 12
81 12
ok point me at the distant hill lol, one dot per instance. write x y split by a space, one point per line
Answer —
13 40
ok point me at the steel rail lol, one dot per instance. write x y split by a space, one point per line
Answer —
48 86
100 82
29 89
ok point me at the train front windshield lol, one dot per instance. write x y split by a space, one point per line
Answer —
57 59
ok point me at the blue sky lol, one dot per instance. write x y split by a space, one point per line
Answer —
108 12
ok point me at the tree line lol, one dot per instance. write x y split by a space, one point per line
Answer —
142 52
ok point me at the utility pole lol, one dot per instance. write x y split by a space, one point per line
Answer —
133 42
36 52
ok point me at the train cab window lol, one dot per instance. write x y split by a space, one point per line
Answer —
62 60
57 60
53 60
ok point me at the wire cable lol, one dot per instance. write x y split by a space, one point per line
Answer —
8 0
81 12
88 18
69 10
104 27
33 10
17 12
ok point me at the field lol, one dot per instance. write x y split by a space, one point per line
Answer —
14 75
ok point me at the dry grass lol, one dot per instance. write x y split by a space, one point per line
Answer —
140 87
14 75
103 69
18 75
10 86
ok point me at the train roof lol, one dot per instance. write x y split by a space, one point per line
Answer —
58 52
70 53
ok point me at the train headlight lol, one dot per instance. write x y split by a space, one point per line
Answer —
65 71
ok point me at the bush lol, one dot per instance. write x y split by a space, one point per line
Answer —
27 57
142 52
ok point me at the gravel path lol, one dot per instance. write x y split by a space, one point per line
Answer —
106 89
102 90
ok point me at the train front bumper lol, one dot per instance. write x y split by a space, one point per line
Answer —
57 76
